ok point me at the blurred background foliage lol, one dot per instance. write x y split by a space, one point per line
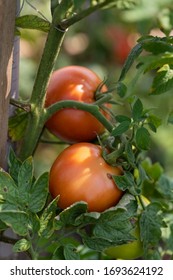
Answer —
102 42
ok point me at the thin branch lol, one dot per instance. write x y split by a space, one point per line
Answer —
19 104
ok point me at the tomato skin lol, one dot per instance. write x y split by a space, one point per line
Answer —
81 174
128 251
73 83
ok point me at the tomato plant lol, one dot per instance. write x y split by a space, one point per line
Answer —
81 174
88 203
80 84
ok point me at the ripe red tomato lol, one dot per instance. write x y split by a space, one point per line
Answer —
81 174
79 84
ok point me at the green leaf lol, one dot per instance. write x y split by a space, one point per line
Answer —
3 226
14 165
21 246
47 226
156 45
130 154
135 52
70 253
151 222
163 80
95 243
129 203
137 110
38 193
165 187
17 125
150 62
121 128
143 138
32 22
17 220
114 226
121 89
25 178
154 122
87 218
127 182
8 188
122 118
70 214
25 175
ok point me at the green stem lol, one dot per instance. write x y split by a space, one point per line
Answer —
20 104
84 13
91 108
35 119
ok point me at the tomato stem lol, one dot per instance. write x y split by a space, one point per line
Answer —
84 13
35 116
91 108
141 202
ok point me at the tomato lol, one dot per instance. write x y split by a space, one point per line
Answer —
134 249
130 251
81 174
79 84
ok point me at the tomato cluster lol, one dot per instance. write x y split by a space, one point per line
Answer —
79 173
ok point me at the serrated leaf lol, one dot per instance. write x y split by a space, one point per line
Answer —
17 220
8 188
114 226
151 222
121 128
17 125
143 138
14 165
137 110
71 213
87 218
25 178
32 22
129 203
95 243
34 222
38 194
165 187
47 219
127 182
25 175
21 246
